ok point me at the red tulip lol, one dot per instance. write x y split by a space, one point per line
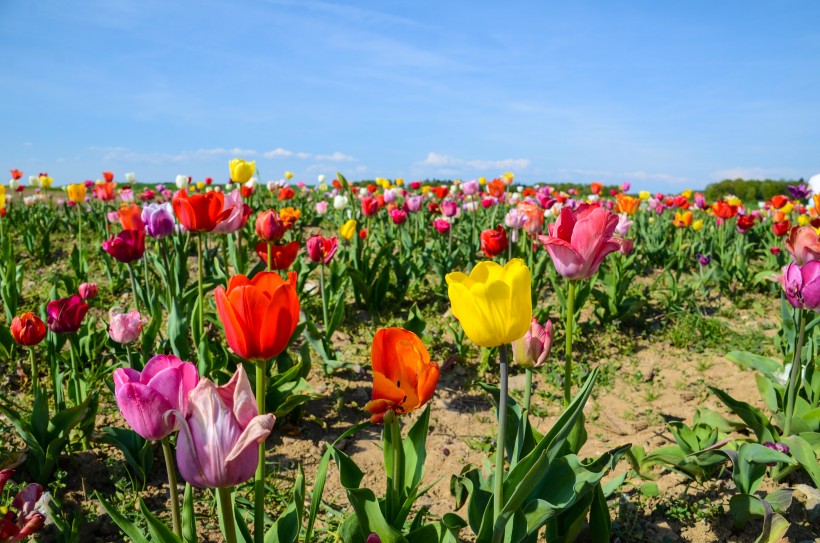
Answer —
200 212
781 228
321 249
595 188
270 226
398 216
16 174
496 188
108 176
127 246
28 329
104 191
745 223
779 201
494 242
723 210
286 193
283 256
370 206
259 314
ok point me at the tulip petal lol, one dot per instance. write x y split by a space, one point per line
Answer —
143 409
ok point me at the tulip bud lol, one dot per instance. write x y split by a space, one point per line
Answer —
270 226
126 327
533 349
182 181
88 291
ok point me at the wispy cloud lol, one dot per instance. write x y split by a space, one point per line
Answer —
449 164
755 172
573 174
336 156
127 155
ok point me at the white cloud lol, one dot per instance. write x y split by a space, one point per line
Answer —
755 172
336 157
128 155
452 163
277 153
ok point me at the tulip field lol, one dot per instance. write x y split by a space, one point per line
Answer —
406 361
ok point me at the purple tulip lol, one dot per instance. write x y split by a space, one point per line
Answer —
800 192
802 284
219 433
159 219
413 203
66 314
534 348
144 397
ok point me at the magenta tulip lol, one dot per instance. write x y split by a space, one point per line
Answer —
219 433
127 246
580 240
802 284
321 249
66 314
144 397
442 225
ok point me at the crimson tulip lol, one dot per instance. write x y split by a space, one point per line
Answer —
282 256
127 246
65 315
494 242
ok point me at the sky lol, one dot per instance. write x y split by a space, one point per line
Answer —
665 95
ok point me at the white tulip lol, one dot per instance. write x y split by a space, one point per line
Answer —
321 178
33 180
130 177
340 202
182 181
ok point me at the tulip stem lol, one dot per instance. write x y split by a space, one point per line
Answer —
200 292
172 485
34 373
527 388
568 348
398 467
498 482
259 482
133 285
270 256
226 509
795 374
147 281
324 298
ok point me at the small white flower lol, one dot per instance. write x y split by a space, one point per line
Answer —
182 181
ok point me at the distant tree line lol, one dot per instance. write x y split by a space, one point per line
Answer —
749 190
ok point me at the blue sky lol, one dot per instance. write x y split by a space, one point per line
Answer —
667 95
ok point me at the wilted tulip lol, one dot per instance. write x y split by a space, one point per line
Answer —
126 327
144 397
534 348
65 315
28 329
219 433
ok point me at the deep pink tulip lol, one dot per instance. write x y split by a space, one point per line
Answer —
442 225
580 240
398 216
803 244
144 397
533 349
321 249
66 314
87 291
126 327
802 285
449 208
218 437
127 246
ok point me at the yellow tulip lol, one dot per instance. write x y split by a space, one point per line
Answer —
644 195
803 220
288 175
2 197
493 304
482 181
76 193
733 201
697 225
787 208
687 194
425 189
399 181
45 181
348 229
241 171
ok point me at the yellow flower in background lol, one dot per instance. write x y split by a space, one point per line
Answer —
76 192
733 201
482 181
687 194
425 189
683 220
803 220
493 304
241 171
508 177
2 197
288 175
45 181
644 195
399 181
348 229
697 225
200 185
787 208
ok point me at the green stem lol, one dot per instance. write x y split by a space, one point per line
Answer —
172 485
80 233
227 514
568 347
794 376
133 285
201 276
270 257
34 372
398 467
527 388
324 298
147 282
259 482
498 482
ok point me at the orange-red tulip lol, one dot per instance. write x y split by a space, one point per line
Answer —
282 256
28 329
131 217
628 204
259 314
404 379
200 212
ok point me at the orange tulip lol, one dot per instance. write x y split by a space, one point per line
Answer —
779 201
404 379
724 210
627 204
596 188
200 212
259 314
290 215
131 217
496 188
104 191
683 220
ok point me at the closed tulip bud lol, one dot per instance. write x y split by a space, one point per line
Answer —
126 327
28 329
348 229
441 225
398 216
534 348
87 291
449 208
494 242
413 203
321 178
269 226
182 181
241 171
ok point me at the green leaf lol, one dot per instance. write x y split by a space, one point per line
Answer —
804 454
160 533
765 365
415 451
600 523
133 533
188 515
753 417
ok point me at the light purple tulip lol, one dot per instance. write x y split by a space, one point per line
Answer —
802 285
159 219
623 225
533 349
144 397
219 434
321 207
233 201
470 187
126 327
449 208
413 203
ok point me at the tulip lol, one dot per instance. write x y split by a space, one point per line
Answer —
321 207
781 228
27 512
494 242
803 244
270 226
285 193
282 256
370 206
234 214
87 291
724 210
398 216
131 177
533 349
580 240
259 314
241 171
514 219
801 283
449 208
28 329
683 220
340 202
697 225
348 229
404 379
16 174
127 246
65 315
441 225
493 303
321 249
76 193
219 431
182 181
144 397
131 217
745 223
104 191
534 215
289 216
200 212
413 204
158 219
623 225
126 327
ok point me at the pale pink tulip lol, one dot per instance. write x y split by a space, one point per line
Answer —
534 348
126 327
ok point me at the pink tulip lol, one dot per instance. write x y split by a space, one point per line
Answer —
580 240
413 204
26 514
236 218
321 207
470 187
533 349
321 249
803 244
162 386
126 327
219 433
87 291
442 225
449 208
802 284
398 216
